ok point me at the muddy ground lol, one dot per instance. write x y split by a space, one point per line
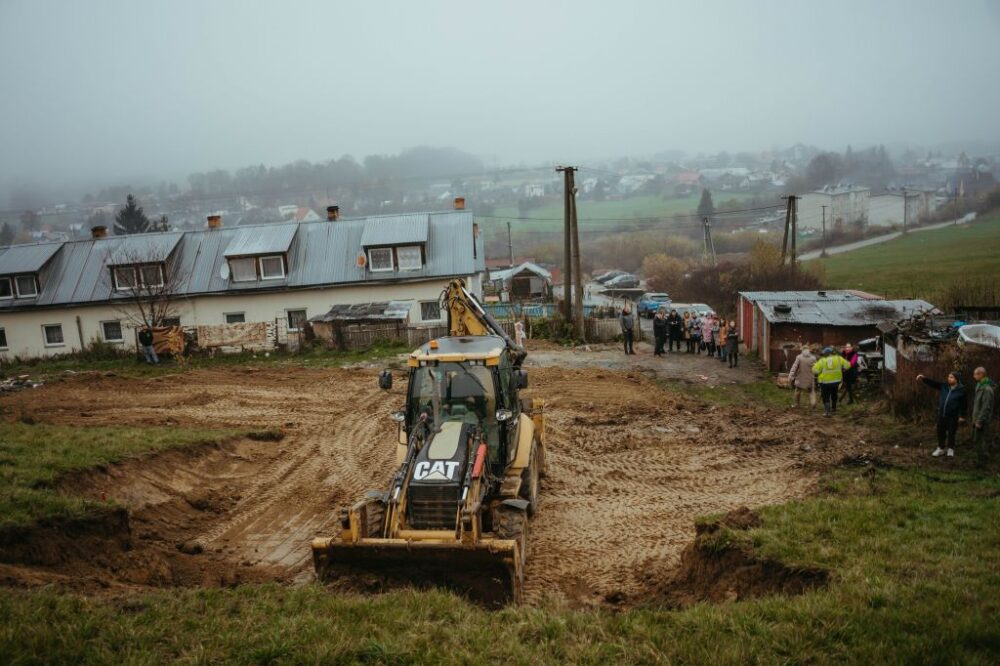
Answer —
631 465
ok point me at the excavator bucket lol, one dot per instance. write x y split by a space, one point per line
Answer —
489 572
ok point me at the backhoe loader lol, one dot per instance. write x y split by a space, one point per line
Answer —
470 456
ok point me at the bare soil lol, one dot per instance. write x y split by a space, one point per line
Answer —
630 468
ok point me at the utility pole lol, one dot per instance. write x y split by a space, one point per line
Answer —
823 253
567 173
709 252
788 222
510 245
795 224
904 210
575 228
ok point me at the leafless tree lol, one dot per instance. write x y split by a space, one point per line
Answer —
144 286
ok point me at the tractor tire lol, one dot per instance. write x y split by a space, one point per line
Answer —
374 519
531 479
513 524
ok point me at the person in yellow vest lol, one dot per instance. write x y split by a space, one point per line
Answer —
829 371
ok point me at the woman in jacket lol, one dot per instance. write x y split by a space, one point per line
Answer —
733 344
851 374
801 376
720 340
686 332
950 411
706 332
696 327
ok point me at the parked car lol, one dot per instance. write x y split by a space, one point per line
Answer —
693 308
607 277
651 301
626 281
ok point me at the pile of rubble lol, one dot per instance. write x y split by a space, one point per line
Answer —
17 383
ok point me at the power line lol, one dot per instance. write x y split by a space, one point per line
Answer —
738 211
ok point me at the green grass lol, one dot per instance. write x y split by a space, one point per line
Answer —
914 557
919 264
33 457
129 366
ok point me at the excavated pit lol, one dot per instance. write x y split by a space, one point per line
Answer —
631 466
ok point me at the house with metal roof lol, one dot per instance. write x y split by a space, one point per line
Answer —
56 298
775 324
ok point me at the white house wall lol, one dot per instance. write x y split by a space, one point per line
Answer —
25 335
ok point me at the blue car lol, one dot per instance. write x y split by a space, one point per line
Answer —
652 301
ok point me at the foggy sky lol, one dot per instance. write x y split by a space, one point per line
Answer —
98 91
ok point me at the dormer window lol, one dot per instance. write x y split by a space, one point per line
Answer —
27 286
148 276
260 253
380 259
410 258
251 269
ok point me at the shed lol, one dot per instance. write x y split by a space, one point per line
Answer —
775 324
526 281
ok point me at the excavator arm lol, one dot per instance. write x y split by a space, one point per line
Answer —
467 316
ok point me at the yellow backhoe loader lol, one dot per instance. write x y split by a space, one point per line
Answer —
470 453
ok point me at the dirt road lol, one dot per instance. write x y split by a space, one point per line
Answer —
631 466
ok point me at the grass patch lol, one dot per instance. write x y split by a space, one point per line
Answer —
915 560
34 457
129 366
920 264
765 392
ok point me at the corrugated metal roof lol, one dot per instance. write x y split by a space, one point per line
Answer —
26 258
143 248
507 273
319 254
273 239
791 296
395 229
856 312
391 310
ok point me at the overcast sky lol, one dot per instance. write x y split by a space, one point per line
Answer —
106 90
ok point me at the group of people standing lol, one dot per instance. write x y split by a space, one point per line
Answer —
835 373
953 406
693 331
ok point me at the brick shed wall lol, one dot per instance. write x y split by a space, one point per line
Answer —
793 335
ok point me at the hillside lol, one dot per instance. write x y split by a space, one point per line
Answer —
920 264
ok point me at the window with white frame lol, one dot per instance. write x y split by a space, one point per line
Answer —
53 335
236 317
6 288
27 286
3 338
409 258
272 267
243 270
430 310
151 275
380 259
112 331
124 277
296 318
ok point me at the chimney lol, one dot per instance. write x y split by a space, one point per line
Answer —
214 221
100 231
332 213
459 203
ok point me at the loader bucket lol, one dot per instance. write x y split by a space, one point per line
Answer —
489 572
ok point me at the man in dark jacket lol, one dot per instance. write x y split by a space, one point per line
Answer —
659 332
950 411
676 326
627 323
146 340
982 415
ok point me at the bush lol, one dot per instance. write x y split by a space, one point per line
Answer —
557 329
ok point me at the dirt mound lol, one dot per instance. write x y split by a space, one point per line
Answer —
715 570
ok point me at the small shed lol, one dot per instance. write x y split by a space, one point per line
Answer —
776 324
359 325
526 281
